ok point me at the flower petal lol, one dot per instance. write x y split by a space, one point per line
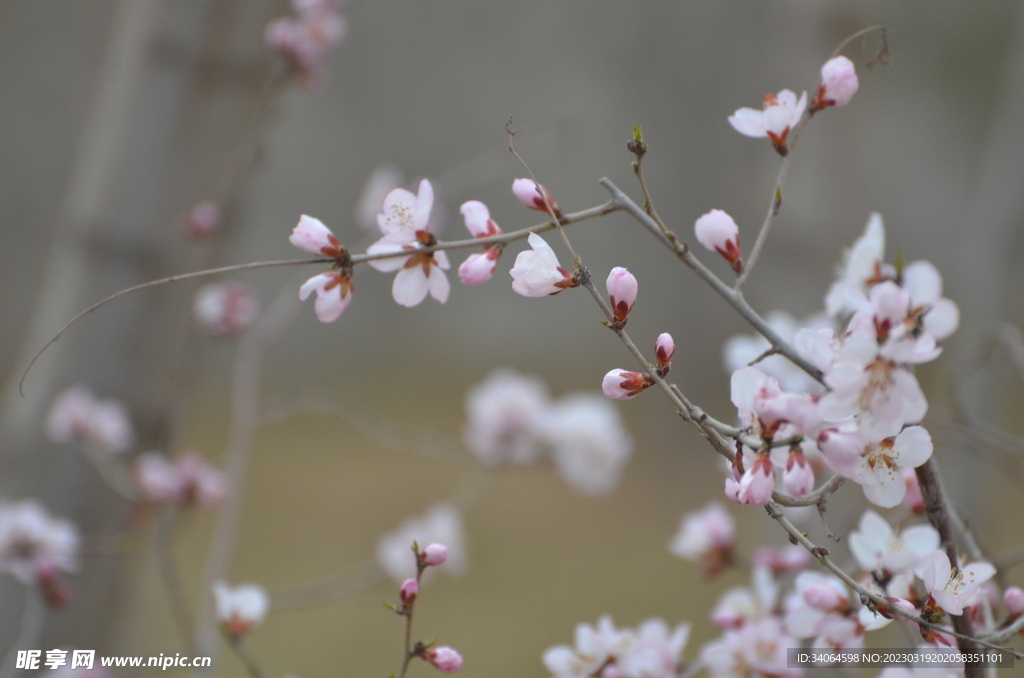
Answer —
410 286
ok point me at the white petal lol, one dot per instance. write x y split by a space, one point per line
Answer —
923 281
441 259
914 447
390 265
424 201
943 319
747 121
330 305
437 283
543 250
888 492
410 286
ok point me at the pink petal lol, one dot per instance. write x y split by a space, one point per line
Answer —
410 286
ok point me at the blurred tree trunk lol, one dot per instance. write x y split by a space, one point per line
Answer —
171 123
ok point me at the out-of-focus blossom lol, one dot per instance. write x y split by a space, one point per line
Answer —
863 264
381 181
622 288
77 415
479 267
755 651
706 536
653 650
306 38
954 588
444 659
537 272
743 605
526 192
240 609
912 499
589 444
404 224
877 547
664 349
442 523
187 481
32 544
742 350
1013 598
781 113
502 415
202 220
838 83
790 558
622 385
226 309
717 231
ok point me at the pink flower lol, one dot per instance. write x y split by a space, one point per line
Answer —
953 588
798 478
203 220
664 349
503 414
781 113
226 309
404 225
408 591
1013 598
77 415
757 483
478 268
706 536
623 385
526 191
444 659
622 287
537 272
189 480
717 231
310 235
333 294
838 83
435 554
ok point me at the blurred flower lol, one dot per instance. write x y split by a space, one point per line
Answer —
226 309
305 39
202 220
442 523
240 609
187 481
706 536
877 547
32 544
589 444
502 415
77 415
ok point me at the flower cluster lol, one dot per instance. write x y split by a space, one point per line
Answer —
652 650
185 482
305 38
78 416
865 424
512 419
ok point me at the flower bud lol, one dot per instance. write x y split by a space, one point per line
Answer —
444 659
526 191
623 385
203 220
757 483
622 288
717 231
1014 599
479 267
664 349
434 554
838 83
478 219
798 478
409 590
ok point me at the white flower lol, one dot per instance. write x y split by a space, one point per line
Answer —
226 309
876 546
502 415
242 608
879 470
442 523
861 263
924 283
595 647
537 272
77 415
781 113
31 541
590 447
953 588
741 350
706 536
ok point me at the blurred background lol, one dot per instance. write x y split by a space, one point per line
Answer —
119 117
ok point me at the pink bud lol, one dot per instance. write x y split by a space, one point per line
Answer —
310 235
526 191
202 221
435 554
479 267
664 349
409 590
757 483
798 478
444 659
623 385
1014 599
838 83
717 231
622 288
